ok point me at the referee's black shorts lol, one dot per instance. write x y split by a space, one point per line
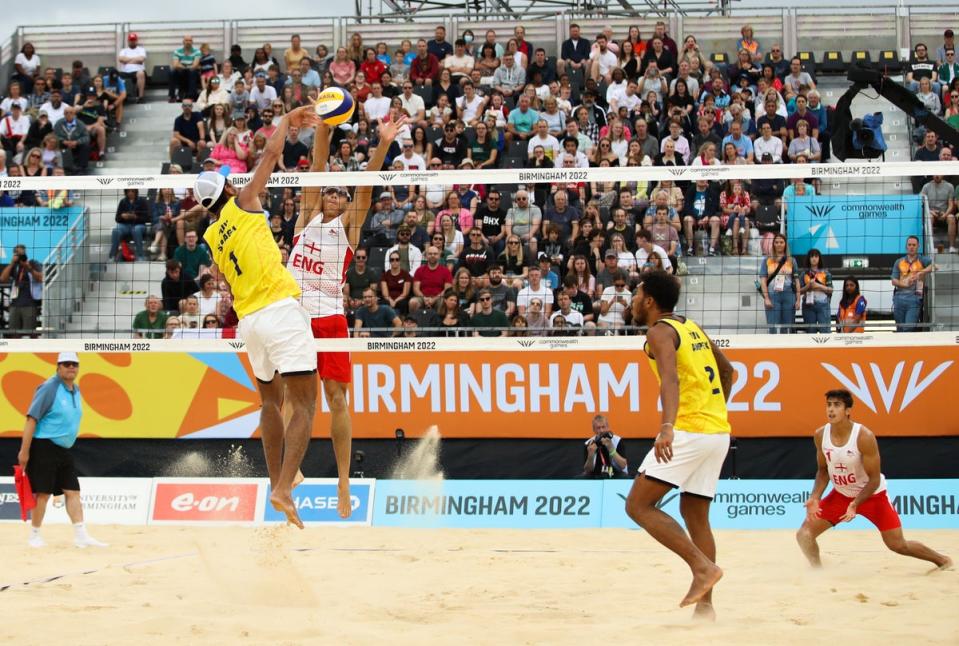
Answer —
51 468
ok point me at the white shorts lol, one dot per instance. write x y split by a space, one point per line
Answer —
278 339
697 460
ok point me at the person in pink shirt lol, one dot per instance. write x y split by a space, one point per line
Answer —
230 152
463 218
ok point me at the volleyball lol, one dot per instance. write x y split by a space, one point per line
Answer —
335 106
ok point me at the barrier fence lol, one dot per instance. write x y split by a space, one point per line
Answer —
499 388
512 504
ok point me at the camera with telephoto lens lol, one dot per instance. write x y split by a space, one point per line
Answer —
598 440
22 257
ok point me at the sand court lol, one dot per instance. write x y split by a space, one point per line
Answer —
362 585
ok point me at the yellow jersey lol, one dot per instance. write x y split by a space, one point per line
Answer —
702 403
244 250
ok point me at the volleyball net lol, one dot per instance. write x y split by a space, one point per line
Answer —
85 255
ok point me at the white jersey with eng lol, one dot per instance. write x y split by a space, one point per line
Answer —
319 259
844 463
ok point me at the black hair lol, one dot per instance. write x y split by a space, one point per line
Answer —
220 202
662 287
846 299
842 395
813 252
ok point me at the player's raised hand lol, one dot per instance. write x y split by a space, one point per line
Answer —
304 117
389 129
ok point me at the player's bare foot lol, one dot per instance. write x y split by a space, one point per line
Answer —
298 478
947 565
704 612
703 582
282 501
344 504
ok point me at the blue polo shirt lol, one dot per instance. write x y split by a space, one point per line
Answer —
57 411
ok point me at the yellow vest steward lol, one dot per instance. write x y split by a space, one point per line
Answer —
702 404
244 250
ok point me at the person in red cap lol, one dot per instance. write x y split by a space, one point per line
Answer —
132 64
53 422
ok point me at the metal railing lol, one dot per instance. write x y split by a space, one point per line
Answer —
67 275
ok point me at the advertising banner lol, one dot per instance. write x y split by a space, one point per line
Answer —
39 229
854 224
519 504
316 501
9 501
505 393
206 500
107 501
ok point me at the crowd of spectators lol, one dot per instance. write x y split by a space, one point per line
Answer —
607 100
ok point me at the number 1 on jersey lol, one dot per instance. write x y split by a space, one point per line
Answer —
236 264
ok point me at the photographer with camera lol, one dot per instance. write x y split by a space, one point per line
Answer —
26 291
605 456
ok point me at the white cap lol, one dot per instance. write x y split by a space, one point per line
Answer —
68 356
208 187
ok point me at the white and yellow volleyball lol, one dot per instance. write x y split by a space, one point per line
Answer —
335 106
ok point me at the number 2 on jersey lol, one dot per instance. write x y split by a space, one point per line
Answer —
239 272
712 376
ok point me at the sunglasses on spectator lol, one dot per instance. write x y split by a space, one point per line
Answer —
208 321
619 285
69 364
435 165
513 242
475 235
394 259
483 299
361 257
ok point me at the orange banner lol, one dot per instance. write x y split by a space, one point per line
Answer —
534 393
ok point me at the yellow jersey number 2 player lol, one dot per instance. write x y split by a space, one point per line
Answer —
693 438
273 325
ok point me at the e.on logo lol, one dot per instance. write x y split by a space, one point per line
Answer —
205 502
888 390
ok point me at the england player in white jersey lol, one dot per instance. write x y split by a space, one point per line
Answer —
848 457
327 234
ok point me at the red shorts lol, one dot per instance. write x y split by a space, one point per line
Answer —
877 509
332 365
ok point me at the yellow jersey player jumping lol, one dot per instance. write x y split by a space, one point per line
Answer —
273 325
693 438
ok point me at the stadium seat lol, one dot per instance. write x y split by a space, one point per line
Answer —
861 57
202 155
832 63
432 134
889 61
807 61
165 168
514 162
719 58
518 150
184 157
160 76
377 256
424 93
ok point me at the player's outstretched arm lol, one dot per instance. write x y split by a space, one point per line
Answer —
311 196
355 217
662 342
249 196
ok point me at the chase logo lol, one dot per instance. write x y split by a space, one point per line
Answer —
820 211
316 503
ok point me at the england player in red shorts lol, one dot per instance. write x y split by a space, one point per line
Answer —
327 233
848 456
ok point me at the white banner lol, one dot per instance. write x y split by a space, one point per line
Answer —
853 171
107 501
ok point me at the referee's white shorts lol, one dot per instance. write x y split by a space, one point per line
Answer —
697 460
278 338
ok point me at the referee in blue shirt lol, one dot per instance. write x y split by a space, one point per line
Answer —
53 422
